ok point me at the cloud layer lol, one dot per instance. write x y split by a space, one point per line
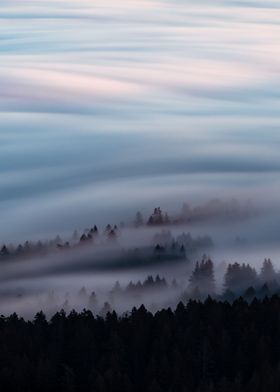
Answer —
109 106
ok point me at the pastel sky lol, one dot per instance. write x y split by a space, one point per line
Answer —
110 106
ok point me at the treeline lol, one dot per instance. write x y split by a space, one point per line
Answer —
157 292
211 347
150 291
88 236
214 209
186 240
163 245
239 279
100 303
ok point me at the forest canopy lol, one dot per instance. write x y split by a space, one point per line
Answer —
201 346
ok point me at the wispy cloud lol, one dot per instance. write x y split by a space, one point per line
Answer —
94 94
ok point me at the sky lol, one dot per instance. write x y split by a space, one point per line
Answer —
111 106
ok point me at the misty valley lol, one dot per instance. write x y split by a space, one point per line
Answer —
157 260
139 196
179 301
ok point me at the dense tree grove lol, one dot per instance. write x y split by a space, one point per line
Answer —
210 346
88 237
163 246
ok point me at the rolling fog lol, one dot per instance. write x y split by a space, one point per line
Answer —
110 107
77 273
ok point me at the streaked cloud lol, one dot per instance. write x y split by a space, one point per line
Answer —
118 97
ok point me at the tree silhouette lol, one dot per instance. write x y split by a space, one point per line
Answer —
268 273
201 346
202 277
239 277
156 218
4 251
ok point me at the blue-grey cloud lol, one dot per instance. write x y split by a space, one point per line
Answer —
164 99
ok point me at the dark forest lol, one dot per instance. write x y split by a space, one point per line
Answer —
201 346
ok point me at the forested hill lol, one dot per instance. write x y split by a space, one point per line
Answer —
210 346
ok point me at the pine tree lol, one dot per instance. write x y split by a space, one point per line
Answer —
268 273
202 277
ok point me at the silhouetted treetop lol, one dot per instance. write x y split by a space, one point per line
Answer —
200 346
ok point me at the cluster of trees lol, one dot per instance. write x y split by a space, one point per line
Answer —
166 247
148 291
210 346
243 279
202 278
89 235
155 292
190 244
110 233
175 251
155 254
239 276
239 279
150 283
158 218
163 246
212 210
